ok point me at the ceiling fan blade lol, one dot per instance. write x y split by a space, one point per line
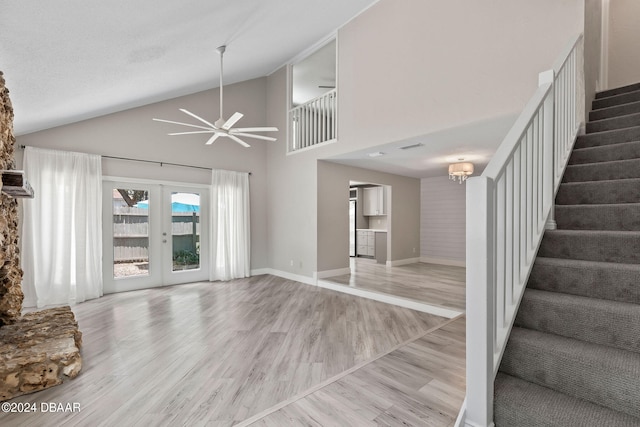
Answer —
183 124
248 135
238 140
213 138
195 116
261 129
192 132
232 120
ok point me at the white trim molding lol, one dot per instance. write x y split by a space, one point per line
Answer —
391 299
604 47
443 261
285 275
330 273
406 261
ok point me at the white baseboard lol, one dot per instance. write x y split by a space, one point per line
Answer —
286 275
443 261
406 261
391 299
330 273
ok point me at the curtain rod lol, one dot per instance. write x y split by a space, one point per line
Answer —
149 161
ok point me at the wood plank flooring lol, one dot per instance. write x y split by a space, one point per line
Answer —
219 353
435 284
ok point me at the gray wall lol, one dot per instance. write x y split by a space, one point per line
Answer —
624 34
442 220
403 220
592 50
133 134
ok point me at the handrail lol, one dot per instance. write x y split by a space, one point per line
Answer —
313 122
508 208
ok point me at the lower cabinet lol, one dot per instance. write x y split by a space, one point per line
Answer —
366 243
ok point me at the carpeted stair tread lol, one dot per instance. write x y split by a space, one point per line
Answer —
614 216
602 375
606 280
615 111
610 101
608 137
520 403
606 153
612 123
599 192
592 245
610 323
618 90
602 171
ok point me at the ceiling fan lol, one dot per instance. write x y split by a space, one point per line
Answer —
222 127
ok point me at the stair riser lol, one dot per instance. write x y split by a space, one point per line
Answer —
608 323
618 110
608 137
616 100
522 404
614 123
618 90
624 191
596 381
606 153
624 217
623 169
592 281
592 246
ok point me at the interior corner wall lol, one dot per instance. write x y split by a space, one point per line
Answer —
333 213
442 220
624 33
133 134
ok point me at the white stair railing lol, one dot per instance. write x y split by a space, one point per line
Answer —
508 207
313 122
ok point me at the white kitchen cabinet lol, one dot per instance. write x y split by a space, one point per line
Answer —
366 243
375 201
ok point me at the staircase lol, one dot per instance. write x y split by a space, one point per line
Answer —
573 357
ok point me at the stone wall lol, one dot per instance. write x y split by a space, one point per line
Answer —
41 349
10 272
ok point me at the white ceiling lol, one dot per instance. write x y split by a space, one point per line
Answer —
474 142
69 60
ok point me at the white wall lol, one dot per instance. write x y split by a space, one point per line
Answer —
133 134
413 67
442 221
592 50
624 34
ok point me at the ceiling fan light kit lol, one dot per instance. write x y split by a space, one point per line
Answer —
221 127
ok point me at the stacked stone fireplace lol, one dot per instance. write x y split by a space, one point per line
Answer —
40 349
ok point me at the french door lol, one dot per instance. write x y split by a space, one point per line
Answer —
153 235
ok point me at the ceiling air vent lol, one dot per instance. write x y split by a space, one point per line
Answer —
409 147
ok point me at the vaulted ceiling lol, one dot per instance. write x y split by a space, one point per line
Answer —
69 60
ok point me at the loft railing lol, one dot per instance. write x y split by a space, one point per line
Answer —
313 122
508 207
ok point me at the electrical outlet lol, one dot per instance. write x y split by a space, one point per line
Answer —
291 263
414 250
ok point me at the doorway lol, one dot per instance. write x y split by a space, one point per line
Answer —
153 235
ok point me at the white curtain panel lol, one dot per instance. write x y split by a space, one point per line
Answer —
62 228
230 230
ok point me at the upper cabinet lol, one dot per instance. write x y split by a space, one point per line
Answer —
374 201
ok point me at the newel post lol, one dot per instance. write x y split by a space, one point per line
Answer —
549 148
480 301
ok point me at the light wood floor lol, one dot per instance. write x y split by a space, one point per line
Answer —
434 284
220 353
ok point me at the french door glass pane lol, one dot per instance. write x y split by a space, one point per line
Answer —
185 230
130 233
